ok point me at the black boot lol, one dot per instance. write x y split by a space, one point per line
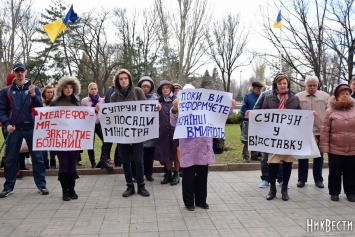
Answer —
71 185
167 177
92 158
129 191
272 192
63 178
176 178
105 164
142 191
284 194
52 164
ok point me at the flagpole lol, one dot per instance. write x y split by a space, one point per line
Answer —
280 59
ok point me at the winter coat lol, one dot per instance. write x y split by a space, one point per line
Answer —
134 93
108 94
195 151
338 128
272 101
150 96
12 99
165 149
87 102
248 103
63 100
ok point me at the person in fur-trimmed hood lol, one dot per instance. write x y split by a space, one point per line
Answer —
337 139
125 91
67 90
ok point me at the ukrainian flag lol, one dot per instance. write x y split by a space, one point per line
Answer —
54 28
278 22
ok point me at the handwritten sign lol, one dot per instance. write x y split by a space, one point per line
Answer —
202 113
129 122
64 128
281 131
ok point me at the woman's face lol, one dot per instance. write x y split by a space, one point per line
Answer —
146 89
49 93
123 79
344 95
176 90
93 89
165 89
68 90
282 86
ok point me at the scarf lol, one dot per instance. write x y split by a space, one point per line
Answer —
94 99
283 98
169 97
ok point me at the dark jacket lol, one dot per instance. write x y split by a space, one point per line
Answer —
165 149
108 94
12 99
272 101
248 103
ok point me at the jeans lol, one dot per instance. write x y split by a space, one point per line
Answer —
317 168
265 169
133 152
14 143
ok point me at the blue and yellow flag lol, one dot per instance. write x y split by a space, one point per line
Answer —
54 28
278 22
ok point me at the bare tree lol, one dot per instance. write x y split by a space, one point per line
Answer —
12 15
302 44
90 43
226 43
187 25
341 38
137 37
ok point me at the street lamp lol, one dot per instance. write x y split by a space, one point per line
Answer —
240 79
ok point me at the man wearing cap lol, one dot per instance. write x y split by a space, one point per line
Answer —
16 104
313 99
248 103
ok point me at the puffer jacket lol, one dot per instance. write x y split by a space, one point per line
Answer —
338 128
12 99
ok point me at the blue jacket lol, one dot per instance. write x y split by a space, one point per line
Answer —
12 99
248 103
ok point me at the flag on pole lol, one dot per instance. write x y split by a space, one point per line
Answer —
278 22
54 28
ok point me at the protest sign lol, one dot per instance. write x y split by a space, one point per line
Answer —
63 128
281 131
129 122
202 113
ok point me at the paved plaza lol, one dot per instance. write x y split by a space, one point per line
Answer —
237 208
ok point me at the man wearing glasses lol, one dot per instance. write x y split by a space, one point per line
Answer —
16 104
313 99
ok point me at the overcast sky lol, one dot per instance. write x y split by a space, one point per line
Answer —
249 11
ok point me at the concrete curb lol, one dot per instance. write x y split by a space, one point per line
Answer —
160 169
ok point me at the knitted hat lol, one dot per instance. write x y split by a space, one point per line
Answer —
340 88
188 86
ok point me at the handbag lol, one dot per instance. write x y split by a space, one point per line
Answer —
218 145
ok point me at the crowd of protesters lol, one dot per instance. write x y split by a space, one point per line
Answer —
189 158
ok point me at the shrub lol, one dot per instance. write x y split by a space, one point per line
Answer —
235 118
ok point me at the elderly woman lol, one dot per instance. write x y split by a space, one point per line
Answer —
281 98
147 85
337 138
67 90
195 156
165 149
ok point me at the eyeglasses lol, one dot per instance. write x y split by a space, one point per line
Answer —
19 70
